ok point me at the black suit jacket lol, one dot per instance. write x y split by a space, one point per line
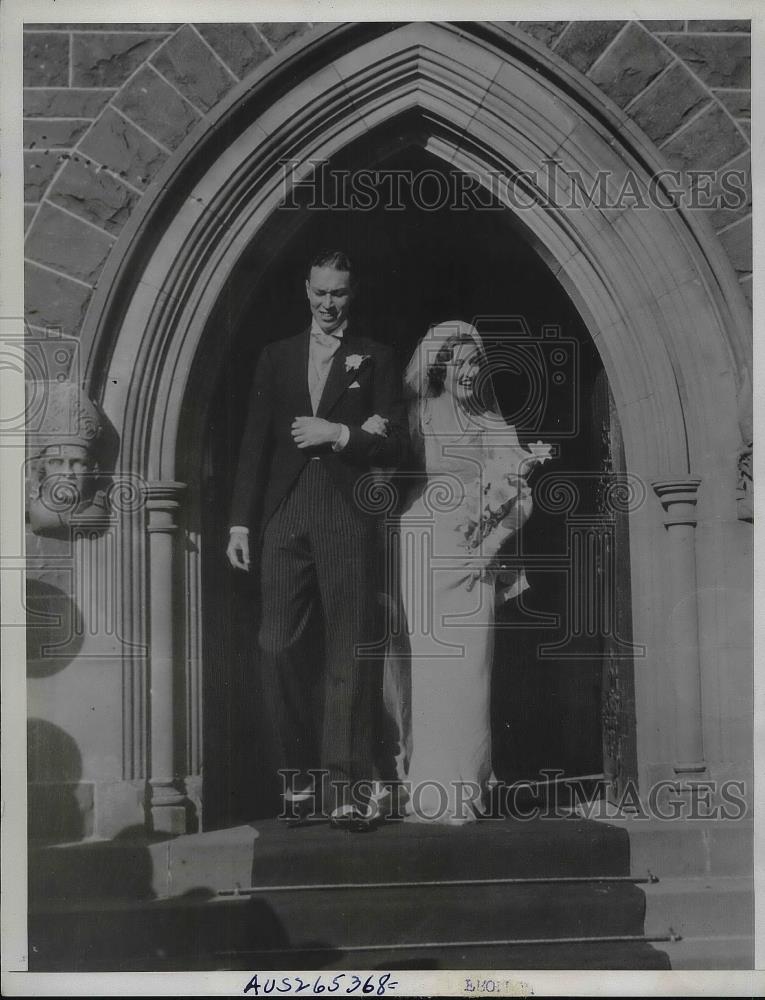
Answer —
270 461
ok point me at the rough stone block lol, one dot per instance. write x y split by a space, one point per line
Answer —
732 193
737 102
153 104
583 41
101 59
120 146
544 31
709 141
94 194
53 300
631 63
190 65
54 133
39 168
239 45
61 242
668 103
719 26
279 33
46 60
737 242
664 25
72 103
718 60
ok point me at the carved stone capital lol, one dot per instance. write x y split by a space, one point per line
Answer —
678 497
163 501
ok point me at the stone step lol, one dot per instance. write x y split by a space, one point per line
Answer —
716 952
340 927
353 917
637 954
145 905
688 847
699 907
266 853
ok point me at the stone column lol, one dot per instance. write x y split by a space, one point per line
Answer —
168 801
678 498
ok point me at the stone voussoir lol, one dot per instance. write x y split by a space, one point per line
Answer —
718 60
102 59
737 241
544 31
52 300
190 65
710 140
150 102
583 41
280 33
240 46
124 149
65 244
668 103
630 64
94 194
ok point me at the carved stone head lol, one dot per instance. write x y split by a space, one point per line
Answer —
64 469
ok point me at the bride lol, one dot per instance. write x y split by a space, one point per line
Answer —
470 499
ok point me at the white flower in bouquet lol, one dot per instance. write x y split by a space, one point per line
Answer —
540 453
501 498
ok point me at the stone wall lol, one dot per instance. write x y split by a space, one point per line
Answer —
686 84
106 104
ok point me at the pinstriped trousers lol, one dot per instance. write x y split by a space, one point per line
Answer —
320 556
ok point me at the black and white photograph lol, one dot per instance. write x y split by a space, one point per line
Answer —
378 499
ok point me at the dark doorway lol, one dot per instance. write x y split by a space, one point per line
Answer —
417 267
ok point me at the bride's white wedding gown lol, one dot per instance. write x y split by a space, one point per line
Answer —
439 664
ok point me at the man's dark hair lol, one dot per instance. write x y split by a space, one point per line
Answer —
337 259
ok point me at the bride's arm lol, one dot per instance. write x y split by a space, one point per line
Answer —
367 448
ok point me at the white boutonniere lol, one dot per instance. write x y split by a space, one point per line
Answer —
354 361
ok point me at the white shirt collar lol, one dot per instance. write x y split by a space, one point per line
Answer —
337 332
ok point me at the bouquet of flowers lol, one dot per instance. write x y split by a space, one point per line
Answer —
499 500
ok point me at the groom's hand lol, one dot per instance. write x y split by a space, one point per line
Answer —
307 432
238 550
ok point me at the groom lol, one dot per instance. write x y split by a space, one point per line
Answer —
325 409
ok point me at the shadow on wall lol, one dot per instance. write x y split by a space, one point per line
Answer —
59 806
54 629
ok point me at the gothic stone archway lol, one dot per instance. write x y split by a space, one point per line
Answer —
658 297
